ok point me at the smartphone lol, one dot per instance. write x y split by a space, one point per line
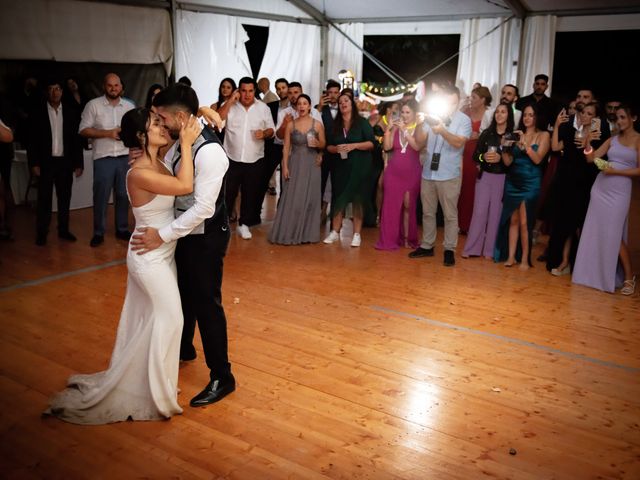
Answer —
595 124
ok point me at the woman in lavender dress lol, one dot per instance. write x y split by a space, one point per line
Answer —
487 204
603 260
401 181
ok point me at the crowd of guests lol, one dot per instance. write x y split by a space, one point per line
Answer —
500 175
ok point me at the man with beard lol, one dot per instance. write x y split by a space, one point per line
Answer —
202 231
611 107
100 121
547 107
510 94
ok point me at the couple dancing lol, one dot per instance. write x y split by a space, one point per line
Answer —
141 382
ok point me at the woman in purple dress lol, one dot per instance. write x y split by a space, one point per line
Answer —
603 260
487 204
401 181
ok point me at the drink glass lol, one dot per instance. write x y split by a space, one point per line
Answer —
310 137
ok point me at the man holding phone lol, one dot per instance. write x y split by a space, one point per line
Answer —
328 108
442 176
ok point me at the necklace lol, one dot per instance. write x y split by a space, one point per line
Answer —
404 135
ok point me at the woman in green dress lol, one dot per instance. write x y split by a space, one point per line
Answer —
352 139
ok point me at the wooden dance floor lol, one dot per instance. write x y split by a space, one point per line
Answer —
350 364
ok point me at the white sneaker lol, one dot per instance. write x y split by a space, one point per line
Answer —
244 232
332 237
357 240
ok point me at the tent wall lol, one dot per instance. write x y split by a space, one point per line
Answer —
210 47
79 31
488 59
342 54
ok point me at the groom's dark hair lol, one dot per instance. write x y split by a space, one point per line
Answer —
180 96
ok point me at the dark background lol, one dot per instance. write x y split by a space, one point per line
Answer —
256 47
604 61
411 56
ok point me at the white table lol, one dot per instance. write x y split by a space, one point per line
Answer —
81 193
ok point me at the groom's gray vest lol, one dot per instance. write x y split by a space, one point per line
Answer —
184 202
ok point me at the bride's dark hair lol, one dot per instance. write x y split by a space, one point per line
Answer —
133 128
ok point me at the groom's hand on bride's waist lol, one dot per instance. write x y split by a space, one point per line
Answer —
145 239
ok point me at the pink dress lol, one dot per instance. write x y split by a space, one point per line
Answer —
403 174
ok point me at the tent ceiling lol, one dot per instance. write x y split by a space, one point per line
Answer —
368 11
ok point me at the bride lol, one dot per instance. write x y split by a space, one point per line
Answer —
141 382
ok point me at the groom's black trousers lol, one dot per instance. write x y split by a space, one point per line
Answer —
199 259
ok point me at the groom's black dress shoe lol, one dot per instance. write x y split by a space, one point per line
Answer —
214 391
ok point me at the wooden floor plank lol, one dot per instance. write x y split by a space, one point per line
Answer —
350 363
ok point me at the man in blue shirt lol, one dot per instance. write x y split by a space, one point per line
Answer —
442 176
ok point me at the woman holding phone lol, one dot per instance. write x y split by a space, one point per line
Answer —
521 191
569 193
491 170
402 174
603 259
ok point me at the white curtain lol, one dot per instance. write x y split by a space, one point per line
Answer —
293 52
210 47
80 31
489 61
536 53
341 53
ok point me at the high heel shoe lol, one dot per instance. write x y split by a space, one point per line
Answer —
560 272
629 286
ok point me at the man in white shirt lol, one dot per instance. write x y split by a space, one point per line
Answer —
202 231
290 113
249 123
54 150
510 94
101 122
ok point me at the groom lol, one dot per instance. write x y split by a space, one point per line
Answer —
202 230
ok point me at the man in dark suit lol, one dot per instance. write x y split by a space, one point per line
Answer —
54 151
547 107
273 145
328 107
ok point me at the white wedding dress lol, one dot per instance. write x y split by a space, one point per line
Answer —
141 382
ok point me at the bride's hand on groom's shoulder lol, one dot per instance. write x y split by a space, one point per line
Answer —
189 131
145 239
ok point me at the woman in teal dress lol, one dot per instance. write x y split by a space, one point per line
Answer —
352 138
521 191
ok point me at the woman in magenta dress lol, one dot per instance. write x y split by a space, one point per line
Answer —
401 181
603 259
